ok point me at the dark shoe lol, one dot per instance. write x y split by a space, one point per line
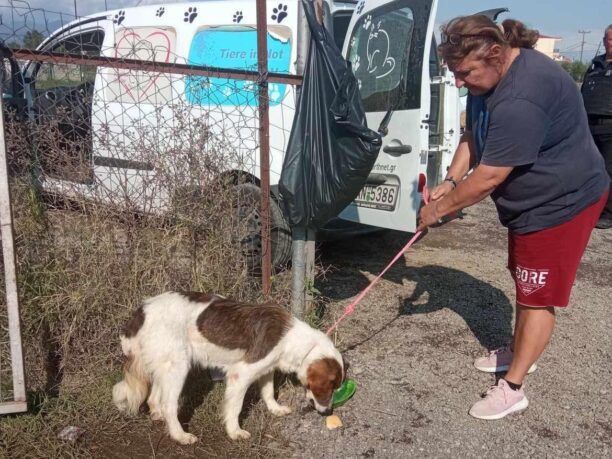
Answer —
604 223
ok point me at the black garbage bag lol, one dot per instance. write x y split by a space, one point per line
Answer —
331 151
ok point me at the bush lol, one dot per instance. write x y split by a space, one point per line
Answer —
576 69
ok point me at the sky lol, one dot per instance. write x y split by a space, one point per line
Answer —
559 18
562 18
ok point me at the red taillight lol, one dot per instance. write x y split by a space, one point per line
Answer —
422 182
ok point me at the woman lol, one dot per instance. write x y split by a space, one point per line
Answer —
528 143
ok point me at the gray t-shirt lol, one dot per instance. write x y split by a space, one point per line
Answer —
534 121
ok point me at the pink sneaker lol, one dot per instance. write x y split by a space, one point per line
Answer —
498 360
499 402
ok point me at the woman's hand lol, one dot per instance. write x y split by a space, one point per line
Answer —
477 186
441 190
428 216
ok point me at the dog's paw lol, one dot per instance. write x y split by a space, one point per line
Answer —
239 434
156 416
186 439
280 410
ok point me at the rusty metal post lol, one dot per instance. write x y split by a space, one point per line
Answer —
264 144
151 66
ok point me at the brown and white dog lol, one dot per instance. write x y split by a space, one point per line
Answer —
172 332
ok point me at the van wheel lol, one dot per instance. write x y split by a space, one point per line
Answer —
246 209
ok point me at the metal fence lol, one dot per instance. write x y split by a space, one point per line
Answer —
125 116
12 379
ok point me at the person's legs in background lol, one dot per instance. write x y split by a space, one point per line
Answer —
602 134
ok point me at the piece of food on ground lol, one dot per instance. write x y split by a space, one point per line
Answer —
333 422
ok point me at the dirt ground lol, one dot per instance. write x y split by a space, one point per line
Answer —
411 345
412 341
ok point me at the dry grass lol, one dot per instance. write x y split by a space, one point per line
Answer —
83 269
110 434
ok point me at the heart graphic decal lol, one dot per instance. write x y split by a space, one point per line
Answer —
147 44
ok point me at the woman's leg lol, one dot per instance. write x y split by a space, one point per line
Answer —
517 318
533 329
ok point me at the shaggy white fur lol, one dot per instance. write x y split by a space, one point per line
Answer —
169 343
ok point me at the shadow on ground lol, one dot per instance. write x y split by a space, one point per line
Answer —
485 309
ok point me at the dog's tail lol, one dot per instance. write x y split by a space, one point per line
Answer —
129 393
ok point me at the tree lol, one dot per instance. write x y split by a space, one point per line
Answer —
576 69
32 39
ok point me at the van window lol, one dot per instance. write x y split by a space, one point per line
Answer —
156 44
340 26
61 104
436 95
50 75
379 53
6 78
235 47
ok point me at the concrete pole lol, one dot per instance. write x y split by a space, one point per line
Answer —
583 32
303 246
298 272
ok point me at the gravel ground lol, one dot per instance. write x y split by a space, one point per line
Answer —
412 341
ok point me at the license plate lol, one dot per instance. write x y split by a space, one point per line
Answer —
382 197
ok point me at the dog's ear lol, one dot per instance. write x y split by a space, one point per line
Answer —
323 377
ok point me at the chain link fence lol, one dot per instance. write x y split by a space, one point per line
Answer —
133 152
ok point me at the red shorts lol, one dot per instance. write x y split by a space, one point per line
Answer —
544 263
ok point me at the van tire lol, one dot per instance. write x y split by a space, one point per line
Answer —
247 202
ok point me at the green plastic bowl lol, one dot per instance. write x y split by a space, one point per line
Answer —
344 393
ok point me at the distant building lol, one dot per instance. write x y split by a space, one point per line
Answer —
548 45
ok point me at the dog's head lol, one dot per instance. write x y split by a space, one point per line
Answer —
323 377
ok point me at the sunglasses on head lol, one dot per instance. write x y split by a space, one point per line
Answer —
455 38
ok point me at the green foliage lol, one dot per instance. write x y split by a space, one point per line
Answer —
32 39
310 288
576 69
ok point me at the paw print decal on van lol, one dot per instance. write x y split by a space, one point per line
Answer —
190 14
279 13
119 17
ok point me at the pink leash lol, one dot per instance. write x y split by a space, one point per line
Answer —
351 307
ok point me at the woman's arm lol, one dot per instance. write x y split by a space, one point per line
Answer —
515 133
460 165
477 186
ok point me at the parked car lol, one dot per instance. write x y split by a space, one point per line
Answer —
406 92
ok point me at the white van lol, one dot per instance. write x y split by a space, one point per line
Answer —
390 44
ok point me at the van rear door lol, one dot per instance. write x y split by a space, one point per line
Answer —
388 44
